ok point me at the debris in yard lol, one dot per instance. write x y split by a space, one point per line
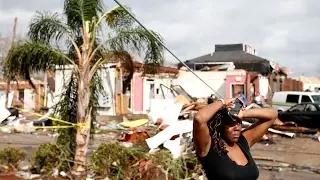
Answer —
132 137
166 109
180 127
295 129
173 117
272 164
27 175
266 137
16 126
278 122
316 136
110 125
289 134
7 169
4 114
135 123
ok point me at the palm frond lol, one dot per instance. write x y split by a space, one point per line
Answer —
79 11
47 27
128 67
117 18
31 56
139 40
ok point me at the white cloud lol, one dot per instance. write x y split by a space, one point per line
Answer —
278 39
286 31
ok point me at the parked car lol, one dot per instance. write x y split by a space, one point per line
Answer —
304 114
283 100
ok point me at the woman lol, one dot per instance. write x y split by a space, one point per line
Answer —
222 148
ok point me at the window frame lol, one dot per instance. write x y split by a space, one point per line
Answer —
290 95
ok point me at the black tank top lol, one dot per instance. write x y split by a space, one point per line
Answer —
222 167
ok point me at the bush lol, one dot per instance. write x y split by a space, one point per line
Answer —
161 165
49 157
12 156
116 161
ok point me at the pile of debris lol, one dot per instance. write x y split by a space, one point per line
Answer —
12 120
169 125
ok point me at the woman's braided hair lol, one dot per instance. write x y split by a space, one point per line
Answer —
214 125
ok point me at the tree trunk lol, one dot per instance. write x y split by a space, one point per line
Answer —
83 116
7 93
83 99
8 80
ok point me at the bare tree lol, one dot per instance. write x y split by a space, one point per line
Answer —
4 47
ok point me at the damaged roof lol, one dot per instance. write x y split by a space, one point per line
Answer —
240 58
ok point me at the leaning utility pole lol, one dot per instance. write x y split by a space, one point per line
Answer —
12 43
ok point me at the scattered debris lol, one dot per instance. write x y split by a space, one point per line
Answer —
168 125
316 136
289 134
295 129
135 123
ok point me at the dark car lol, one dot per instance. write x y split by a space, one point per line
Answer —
304 115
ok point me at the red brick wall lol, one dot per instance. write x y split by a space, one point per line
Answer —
288 84
248 86
252 80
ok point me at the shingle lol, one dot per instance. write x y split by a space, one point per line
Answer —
241 60
228 56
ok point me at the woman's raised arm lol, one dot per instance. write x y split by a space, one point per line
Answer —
201 135
266 118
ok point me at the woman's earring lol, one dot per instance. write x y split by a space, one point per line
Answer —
219 134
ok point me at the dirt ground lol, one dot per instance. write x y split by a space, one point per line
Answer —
300 151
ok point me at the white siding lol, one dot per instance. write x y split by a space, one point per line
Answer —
29 101
215 80
107 74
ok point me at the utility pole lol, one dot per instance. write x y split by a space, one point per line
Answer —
12 43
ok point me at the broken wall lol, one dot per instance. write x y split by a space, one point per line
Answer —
216 80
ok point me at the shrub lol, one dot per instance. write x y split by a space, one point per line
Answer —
11 156
50 156
161 165
116 161
119 162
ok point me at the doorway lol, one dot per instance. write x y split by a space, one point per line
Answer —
148 93
236 88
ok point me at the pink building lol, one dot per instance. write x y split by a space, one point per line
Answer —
147 87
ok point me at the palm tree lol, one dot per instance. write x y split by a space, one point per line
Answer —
85 38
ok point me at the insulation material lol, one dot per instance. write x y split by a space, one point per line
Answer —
179 127
263 86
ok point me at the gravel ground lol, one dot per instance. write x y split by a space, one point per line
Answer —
298 151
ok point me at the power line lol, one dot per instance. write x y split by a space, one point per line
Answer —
133 17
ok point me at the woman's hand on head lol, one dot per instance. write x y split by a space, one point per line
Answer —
229 103
240 115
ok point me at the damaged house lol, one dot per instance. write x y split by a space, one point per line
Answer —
258 74
123 95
